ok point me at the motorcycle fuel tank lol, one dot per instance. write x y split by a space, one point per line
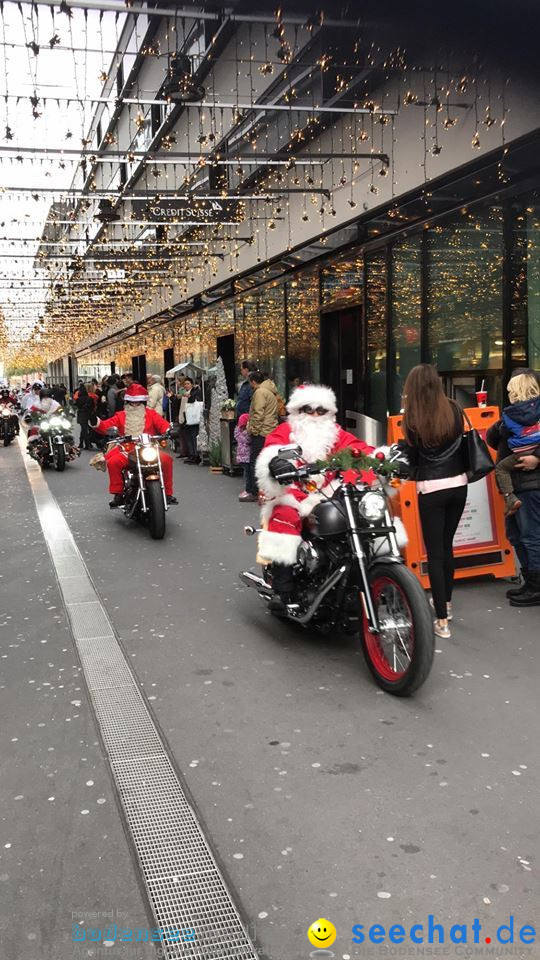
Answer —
327 519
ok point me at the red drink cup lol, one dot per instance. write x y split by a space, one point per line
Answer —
481 398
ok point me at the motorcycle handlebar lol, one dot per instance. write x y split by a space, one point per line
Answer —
306 470
131 439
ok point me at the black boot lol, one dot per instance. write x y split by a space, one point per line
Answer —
282 585
517 591
116 501
531 595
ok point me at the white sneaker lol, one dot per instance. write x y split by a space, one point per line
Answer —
443 632
449 614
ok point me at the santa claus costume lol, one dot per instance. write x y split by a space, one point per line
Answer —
135 419
311 424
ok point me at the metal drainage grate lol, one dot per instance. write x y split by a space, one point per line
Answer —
185 887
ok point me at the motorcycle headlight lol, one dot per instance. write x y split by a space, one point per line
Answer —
372 506
44 426
65 423
149 455
6 413
55 421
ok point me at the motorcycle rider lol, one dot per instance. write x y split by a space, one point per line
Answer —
45 403
135 419
311 424
8 400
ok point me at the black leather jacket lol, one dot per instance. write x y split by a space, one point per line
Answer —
497 439
437 463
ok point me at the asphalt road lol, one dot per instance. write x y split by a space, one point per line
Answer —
321 795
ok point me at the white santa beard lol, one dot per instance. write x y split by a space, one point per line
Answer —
135 417
316 435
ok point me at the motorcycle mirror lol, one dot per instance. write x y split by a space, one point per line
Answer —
290 452
112 432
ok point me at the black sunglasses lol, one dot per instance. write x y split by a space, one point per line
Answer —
320 411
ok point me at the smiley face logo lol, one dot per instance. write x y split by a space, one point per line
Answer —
322 933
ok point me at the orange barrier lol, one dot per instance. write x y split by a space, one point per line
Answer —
480 544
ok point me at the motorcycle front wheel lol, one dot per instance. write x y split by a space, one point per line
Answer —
400 656
59 458
156 509
7 439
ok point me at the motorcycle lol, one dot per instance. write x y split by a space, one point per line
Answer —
9 424
53 443
144 494
350 575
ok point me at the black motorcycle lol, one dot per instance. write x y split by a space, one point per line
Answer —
54 444
350 575
9 424
144 497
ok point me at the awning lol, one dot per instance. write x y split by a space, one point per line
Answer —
187 367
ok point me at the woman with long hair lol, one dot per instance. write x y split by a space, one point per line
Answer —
433 427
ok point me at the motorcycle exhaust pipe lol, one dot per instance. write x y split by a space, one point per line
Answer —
330 583
252 580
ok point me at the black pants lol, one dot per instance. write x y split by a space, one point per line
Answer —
257 443
190 435
440 513
85 438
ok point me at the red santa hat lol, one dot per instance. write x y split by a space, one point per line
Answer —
312 395
135 393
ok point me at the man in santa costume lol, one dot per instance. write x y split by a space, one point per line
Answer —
135 419
311 425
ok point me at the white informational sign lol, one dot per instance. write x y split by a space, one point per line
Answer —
477 525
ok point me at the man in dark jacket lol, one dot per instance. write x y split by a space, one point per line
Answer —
523 527
246 390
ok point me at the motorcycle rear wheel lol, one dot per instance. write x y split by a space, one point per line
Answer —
156 509
7 440
400 656
59 459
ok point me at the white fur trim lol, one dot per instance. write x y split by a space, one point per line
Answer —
313 395
266 482
285 500
307 505
278 547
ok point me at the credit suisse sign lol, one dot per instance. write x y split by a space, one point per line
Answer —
197 210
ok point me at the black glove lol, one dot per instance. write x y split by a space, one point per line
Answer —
93 419
282 470
174 431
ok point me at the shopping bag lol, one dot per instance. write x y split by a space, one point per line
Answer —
478 460
193 413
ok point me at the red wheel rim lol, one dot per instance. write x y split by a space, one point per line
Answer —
390 651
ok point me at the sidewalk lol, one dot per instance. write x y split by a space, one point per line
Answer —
63 848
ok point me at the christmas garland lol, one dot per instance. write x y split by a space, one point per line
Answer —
349 459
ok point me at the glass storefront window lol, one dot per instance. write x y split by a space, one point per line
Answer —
525 287
376 295
303 329
189 348
464 272
342 279
260 331
406 307
271 319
